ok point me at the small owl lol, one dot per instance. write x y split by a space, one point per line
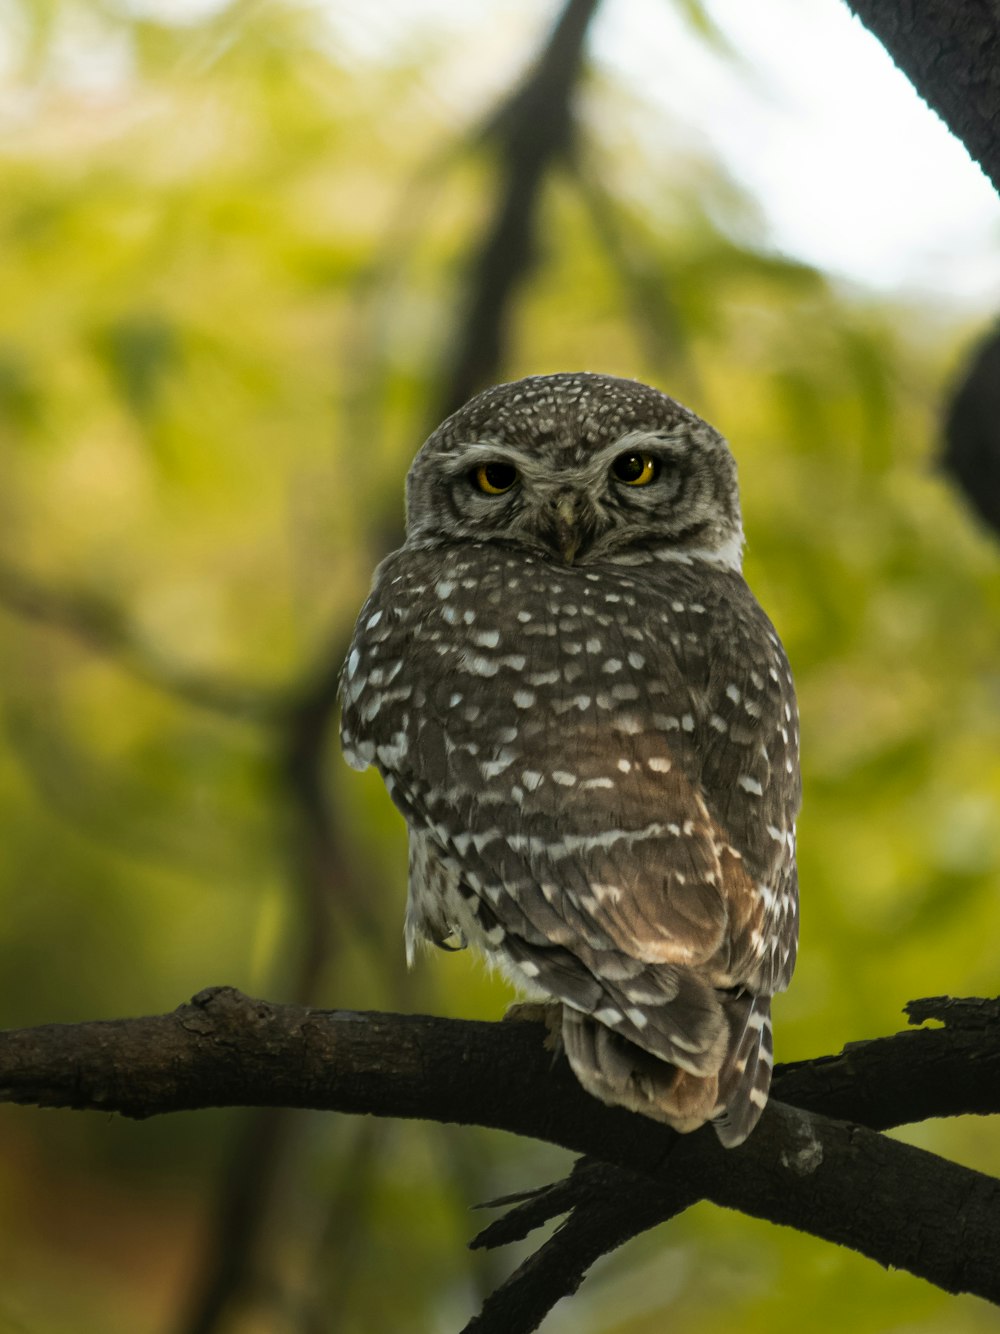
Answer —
590 728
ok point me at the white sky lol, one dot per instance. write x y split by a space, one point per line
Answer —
853 172
852 169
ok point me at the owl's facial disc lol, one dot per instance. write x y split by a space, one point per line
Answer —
581 469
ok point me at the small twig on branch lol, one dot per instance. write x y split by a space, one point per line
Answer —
606 1206
628 1206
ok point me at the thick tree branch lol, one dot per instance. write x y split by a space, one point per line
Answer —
882 1083
838 1181
950 53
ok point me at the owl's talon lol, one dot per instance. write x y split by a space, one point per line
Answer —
451 944
548 1013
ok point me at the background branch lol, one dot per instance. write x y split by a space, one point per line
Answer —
971 452
104 628
529 133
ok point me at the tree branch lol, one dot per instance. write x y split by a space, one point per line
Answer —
800 1168
950 53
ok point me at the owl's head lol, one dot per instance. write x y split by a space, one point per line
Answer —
581 468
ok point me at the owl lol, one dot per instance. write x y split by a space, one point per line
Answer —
589 726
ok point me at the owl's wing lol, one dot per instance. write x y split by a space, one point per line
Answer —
750 775
556 764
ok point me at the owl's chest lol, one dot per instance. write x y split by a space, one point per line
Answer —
460 660
527 634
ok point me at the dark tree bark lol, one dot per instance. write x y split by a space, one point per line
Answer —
972 432
950 52
805 1166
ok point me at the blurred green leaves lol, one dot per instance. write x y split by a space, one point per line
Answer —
140 352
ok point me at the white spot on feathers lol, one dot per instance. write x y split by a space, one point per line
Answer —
627 723
480 666
607 1014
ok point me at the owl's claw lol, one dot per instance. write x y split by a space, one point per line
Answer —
548 1013
451 944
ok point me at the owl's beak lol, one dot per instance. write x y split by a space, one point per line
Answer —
567 526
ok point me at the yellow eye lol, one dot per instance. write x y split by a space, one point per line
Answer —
495 478
636 469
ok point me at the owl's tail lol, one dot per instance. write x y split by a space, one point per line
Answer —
733 1096
745 1077
618 1072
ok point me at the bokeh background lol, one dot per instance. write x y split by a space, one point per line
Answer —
240 243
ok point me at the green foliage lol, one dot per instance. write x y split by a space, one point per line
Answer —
230 278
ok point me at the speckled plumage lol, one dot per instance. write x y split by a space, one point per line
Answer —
590 727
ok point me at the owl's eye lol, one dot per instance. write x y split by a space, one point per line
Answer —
636 469
495 478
